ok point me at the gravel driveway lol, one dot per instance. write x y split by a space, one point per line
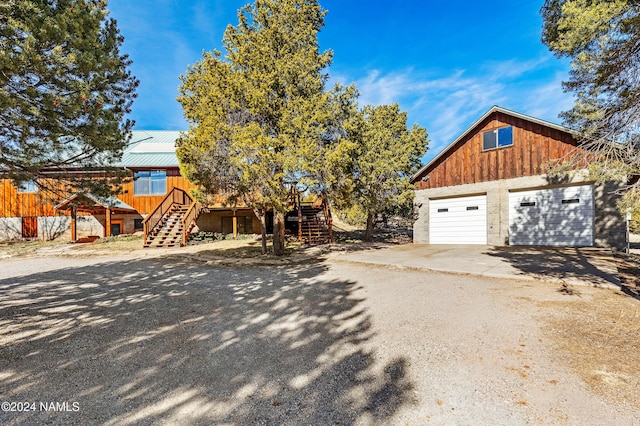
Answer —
121 341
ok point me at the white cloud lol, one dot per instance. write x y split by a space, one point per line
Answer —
447 104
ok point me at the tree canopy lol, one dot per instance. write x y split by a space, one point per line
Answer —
64 90
602 39
259 114
381 156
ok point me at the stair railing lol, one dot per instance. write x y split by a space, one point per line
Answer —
189 217
176 196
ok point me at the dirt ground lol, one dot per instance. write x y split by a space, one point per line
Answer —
169 337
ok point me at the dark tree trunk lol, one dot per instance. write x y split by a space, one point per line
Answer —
261 214
278 233
263 231
369 232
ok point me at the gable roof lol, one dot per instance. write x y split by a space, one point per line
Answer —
151 148
87 200
492 110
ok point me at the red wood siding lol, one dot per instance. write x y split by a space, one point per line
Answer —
534 145
15 204
145 204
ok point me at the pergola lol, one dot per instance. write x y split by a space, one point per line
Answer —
84 202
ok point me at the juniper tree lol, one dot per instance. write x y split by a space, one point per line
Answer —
384 153
258 111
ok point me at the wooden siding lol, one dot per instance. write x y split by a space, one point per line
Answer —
534 145
16 204
145 204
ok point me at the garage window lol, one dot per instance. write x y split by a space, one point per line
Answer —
443 210
528 204
571 201
497 138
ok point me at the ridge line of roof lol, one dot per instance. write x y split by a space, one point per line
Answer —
491 110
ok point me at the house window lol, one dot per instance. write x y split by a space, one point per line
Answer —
497 138
29 186
150 182
137 224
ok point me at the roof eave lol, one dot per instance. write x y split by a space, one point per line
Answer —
493 109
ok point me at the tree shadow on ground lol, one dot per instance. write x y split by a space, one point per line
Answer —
629 271
170 341
381 238
562 263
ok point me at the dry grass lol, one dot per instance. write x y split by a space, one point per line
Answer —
26 248
629 270
598 334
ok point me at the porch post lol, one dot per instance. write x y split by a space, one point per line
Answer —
74 234
235 223
107 226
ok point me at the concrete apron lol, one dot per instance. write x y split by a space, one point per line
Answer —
576 266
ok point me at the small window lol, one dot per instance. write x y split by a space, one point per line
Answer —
527 204
443 210
497 138
571 201
137 224
472 208
28 186
150 182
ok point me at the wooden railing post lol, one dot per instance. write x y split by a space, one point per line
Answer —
190 216
299 217
329 220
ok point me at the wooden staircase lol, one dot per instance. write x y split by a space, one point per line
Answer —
172 221
314 224
168 232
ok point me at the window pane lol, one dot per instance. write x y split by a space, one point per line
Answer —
505 136
158 182
141 183
489 139
141 186
29 186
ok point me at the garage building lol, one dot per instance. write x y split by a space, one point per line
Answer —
489 187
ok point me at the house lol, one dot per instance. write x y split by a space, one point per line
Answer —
151 162
489 186
155 201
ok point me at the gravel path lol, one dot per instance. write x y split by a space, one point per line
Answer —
120 341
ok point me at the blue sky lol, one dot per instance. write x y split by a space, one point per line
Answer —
445 63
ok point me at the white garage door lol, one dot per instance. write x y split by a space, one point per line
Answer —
552 217
458 220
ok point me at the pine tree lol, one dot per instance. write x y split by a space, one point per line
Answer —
64 91
602 39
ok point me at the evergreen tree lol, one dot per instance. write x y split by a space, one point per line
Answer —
384 154
259 114
601 38
64 90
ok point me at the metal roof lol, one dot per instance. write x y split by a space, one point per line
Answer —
493 109
87 199
151 148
